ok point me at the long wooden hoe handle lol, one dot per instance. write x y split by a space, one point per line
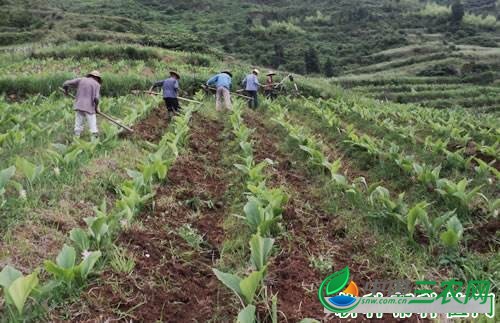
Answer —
237 94
105 116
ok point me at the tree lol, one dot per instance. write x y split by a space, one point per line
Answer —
279 56
311 61
457 12
328 68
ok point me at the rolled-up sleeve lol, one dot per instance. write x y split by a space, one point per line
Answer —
213 80
72 83
97 94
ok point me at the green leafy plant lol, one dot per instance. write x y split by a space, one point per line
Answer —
260 249
453 234
457 195
427 175
260 218
156 166
316 156
191 236
5 176
274 198
386 207
244 288
65 268
456 159
29 170
17 288
255 173
247 315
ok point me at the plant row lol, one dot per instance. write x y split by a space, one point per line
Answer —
262 214
434 128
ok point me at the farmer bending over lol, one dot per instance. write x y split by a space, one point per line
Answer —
251 84
222 82
86 101
170 88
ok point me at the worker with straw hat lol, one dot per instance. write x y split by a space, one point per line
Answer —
170 88
222 83
88 94
269 87
251 85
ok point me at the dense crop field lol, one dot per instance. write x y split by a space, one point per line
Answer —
213 216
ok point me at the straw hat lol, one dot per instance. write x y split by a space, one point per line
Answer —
228 73
271 73
174 73
256 71
95 74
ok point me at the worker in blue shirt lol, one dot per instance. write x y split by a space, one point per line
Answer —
251 85
222 83
170 88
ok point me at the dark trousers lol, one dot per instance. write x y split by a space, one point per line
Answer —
172 104
254 102
270 94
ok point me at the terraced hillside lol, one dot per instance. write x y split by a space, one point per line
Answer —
433 74
158 224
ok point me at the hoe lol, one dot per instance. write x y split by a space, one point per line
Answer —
105 116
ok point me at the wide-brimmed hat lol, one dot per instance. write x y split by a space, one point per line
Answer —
271 73
228 73
95 74
256 71
175 74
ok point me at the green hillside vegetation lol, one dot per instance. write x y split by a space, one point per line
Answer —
275 33
371 40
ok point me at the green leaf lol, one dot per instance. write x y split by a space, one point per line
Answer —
247 315
29 170
260 249
231 281
452 236
5 175
449 238
66 258
8 275
249 286
414 214
253 213
20 289
88 264
80 238
274 309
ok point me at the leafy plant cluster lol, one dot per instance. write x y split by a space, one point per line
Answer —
25 133
382 205
262 214
463 200
88 246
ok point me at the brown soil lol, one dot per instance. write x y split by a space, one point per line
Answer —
152 128
485 236
172 281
